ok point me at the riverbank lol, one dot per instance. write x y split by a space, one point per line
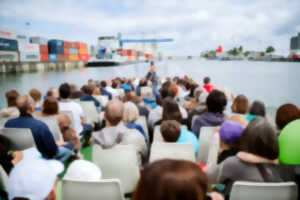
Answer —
17 67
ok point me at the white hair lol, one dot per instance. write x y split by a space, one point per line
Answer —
131 112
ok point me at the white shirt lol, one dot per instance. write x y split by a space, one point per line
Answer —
113 91
77 112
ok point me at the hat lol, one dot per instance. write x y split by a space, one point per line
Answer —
126 87
231 132
33 178
83 170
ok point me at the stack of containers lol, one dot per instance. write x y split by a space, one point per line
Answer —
83 52
56 50
43 45
73 51
8 47
131 54
67 46
29 52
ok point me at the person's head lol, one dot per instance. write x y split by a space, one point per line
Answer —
240 104
73 88
114 112
143 82
36 95
206 80
171 110
11 98
82 170
258 108
34 179
172 180
52 92
115 83
285 114
91 81
64 91
103 84
170 130
88 89
25 105
260 138
166 90
216 101
50 106
231 132
131 113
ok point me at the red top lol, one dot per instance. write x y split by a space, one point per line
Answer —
208 88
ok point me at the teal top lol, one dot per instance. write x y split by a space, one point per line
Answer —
250 117
187 136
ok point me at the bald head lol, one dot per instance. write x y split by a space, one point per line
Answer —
25 104
114 112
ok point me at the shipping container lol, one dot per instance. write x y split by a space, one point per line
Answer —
29 48
55 47
8 45
9 56
22 39
82 51
30 57
38 40
83 57
7 34
44 57
73 57
73 51
62 57
67 44
43 49
52 58
82 45
76 45
66 51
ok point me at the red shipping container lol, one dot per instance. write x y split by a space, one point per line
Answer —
67 44
43 49
83 57
61 57
66 51
76 45
44 57
73 45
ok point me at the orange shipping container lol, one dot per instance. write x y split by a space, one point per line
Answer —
82 45
73 57
66 51
82 51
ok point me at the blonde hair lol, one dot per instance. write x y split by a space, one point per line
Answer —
131 112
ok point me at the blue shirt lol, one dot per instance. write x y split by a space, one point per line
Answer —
105 93
138 127
90 98
43 137
187 136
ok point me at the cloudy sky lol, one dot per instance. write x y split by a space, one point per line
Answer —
195 25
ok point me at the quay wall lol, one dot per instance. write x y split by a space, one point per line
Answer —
18 67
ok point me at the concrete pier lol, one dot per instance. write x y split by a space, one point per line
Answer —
18 67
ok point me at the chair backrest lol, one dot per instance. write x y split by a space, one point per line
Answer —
157 137
52 123
119 162
102 99
162 150
264 191
3 179
205 141
90 111
106 189
143 122
70 115
20 138
3 120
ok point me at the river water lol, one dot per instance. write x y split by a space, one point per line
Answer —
274 83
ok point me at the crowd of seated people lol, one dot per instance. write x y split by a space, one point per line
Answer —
248 144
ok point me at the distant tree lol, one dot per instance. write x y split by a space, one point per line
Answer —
241 49
246 54
270 49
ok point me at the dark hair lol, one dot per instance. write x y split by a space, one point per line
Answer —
11 97
240 104
64 90
260 138
50 106
285 114
171 180
115 84
171 110
166 90
103 84
258 108
170 130
35 94
216 101
88 89
206 80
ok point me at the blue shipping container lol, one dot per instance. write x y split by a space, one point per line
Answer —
8 45
56 47
52 58
73 51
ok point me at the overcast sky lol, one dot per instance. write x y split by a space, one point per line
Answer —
195 25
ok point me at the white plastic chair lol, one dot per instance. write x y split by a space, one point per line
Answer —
106 189
157 137
90 111
3 120
264 191
102 99
3 179
53 126
119 162
143 122
165 150
205 142
20 138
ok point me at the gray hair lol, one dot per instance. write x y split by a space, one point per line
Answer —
131 112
